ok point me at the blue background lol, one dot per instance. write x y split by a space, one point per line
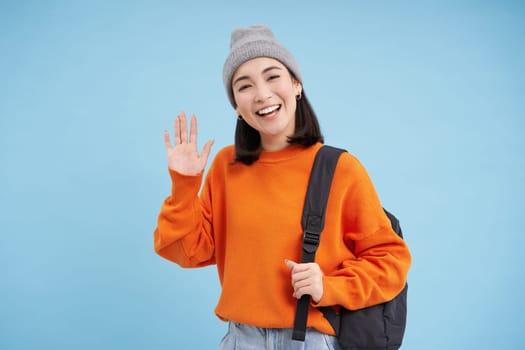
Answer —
429 95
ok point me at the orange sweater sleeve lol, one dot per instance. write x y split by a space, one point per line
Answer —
184 231
377 269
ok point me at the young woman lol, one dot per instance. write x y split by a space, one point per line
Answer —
247 218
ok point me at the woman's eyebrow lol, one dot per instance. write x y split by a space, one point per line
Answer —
265 70
270 68
242 77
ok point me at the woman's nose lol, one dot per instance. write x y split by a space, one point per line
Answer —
263 94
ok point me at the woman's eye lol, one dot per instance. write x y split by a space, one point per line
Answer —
273 77
243 87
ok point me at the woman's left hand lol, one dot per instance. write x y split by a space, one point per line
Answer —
307 279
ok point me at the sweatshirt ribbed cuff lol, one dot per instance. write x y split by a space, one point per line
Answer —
190 183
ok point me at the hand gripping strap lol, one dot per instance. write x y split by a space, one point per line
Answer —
313 221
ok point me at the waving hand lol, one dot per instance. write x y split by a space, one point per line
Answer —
183 156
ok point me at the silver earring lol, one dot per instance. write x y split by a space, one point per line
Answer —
298 96
239 117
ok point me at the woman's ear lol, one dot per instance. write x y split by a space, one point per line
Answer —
298 87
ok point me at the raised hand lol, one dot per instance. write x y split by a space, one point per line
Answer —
184 156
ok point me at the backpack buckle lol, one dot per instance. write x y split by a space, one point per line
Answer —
311 241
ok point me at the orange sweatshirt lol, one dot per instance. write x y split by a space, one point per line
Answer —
247 220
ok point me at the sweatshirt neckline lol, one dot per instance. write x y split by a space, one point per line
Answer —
287 153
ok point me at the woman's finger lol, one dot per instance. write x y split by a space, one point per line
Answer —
193 129
167 140
302 284
301 276
176 130
300 291
206 150
183 128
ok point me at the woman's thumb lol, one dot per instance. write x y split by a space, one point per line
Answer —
290 263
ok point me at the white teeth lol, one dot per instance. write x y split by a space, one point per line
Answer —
267 110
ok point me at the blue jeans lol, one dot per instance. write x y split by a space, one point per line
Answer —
243 337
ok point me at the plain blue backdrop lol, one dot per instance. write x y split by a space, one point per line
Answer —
429 95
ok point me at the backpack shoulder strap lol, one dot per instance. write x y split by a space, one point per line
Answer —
313 220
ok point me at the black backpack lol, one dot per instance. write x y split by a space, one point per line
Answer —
376 327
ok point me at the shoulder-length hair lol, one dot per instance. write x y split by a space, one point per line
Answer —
307 133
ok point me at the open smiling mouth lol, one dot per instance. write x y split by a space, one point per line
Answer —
268 110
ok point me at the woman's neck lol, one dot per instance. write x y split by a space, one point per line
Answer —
274 144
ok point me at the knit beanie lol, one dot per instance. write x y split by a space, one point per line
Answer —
251 42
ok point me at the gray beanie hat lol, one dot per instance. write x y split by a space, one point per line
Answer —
252 42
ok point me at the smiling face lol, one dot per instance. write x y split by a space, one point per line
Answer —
265 94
